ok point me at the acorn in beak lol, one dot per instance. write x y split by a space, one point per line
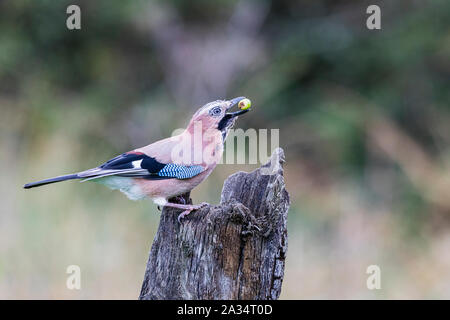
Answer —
228 119
243 103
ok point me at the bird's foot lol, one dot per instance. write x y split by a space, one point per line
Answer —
184 214
201 205
192 208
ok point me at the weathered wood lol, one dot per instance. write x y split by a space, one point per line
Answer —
235 250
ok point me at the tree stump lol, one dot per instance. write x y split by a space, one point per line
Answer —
235 250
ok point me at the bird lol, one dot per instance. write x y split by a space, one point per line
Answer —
169 167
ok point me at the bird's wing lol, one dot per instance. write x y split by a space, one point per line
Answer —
162 150
139 165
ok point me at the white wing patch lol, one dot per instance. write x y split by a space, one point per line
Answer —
137 163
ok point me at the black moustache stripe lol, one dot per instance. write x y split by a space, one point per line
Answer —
224 122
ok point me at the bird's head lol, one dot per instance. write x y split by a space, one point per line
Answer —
216 115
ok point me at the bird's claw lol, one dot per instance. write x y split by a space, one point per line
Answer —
186 212
183 214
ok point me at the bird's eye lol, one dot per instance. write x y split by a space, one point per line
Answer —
215 111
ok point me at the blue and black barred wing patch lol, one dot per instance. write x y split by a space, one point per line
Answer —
180 171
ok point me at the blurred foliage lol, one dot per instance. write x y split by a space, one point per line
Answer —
363 117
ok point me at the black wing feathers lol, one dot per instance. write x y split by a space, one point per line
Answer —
125 161
51 180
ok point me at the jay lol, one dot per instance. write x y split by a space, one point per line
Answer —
169 167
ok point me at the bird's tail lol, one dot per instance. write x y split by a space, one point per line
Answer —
51 180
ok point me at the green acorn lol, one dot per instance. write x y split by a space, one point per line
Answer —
245 104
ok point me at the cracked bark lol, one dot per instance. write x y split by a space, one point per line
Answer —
235 250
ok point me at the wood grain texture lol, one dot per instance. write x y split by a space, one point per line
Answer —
235 250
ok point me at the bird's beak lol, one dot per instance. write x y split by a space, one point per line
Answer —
232 103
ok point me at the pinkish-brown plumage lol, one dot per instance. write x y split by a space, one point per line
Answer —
169 167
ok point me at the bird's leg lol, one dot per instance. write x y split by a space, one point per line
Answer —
186 207
180 199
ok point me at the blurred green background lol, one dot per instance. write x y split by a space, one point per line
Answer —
364 120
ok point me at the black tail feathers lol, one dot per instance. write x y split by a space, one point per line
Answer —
51 180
